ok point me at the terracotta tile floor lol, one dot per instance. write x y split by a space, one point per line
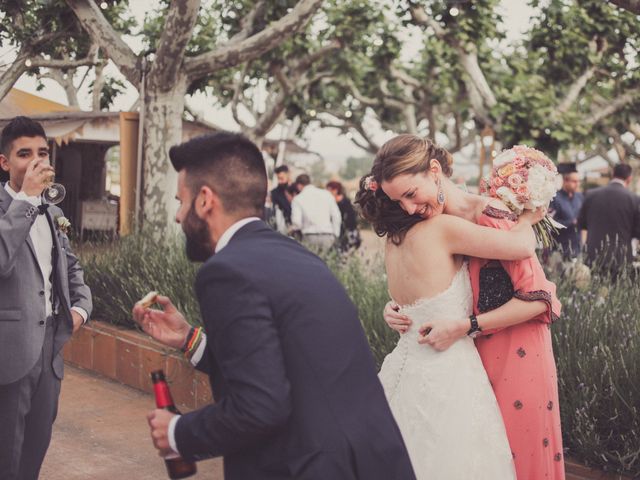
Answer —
101 433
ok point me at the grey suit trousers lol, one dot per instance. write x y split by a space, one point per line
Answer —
29 407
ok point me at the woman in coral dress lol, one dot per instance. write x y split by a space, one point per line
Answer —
519 359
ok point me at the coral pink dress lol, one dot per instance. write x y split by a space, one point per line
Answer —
519 359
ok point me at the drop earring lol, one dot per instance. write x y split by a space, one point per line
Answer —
440 193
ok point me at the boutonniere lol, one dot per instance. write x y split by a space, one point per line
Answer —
63 223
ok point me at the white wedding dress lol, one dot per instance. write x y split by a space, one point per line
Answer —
443 401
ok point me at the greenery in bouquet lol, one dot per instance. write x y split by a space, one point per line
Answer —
524 179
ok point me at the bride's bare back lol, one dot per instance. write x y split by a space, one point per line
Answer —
421 266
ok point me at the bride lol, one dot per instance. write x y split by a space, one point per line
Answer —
442 401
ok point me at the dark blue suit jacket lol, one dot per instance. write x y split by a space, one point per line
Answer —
296 389
611 216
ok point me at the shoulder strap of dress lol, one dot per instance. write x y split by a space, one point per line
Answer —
499 213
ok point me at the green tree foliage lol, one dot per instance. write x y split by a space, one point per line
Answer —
355 167
49 42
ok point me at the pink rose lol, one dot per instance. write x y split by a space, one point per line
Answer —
492 192
519 162
515 180
497 182
523 190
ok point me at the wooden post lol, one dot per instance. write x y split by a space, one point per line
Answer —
128 170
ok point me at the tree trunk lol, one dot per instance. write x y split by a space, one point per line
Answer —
10 76
98 84
162 130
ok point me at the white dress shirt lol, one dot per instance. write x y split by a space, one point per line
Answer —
315 211
197 355
42 240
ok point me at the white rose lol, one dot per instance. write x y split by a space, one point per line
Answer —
505 157
541 184
509 197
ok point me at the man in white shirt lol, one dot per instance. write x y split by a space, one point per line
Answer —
43 300
315 213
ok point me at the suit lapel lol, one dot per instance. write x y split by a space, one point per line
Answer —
5 201
56 253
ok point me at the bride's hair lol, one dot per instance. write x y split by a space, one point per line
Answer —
404 154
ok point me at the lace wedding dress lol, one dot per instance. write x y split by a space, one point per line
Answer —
443 401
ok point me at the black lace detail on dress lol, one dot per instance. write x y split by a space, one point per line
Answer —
537 295
494 212
496 288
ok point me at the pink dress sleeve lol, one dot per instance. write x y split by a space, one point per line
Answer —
527 276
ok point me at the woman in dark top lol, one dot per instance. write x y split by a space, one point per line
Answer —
349 234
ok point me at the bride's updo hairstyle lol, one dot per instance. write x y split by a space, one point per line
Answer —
404 154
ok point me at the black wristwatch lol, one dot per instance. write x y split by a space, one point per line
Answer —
475 329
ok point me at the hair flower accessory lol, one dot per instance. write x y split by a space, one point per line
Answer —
370 183
63 223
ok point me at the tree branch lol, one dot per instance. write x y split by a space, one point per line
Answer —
176 34
66 82
250 48
632 6
11 75
237 95
617 104
98 84
481 96
63 63
246 25
404 77
103 35
367 101
577 86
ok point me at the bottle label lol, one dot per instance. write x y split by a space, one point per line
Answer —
163 396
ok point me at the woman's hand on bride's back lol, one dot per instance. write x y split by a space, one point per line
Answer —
397 321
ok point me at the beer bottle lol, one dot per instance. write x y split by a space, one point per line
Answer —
177 467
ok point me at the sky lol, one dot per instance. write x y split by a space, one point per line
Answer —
332 147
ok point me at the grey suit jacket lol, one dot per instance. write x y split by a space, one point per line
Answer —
22 299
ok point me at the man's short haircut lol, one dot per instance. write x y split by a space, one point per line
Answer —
303 179
16 128
622 171
565 176
282 168
228 163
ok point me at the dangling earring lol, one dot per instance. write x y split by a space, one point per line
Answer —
440 193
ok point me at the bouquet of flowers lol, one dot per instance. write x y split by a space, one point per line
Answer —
524 179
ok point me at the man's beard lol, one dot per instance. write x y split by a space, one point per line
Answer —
196 231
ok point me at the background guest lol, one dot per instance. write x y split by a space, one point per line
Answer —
279 197
315 214
611 217
565 208
349 234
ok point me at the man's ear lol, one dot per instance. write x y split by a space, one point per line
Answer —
4 163
207 201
